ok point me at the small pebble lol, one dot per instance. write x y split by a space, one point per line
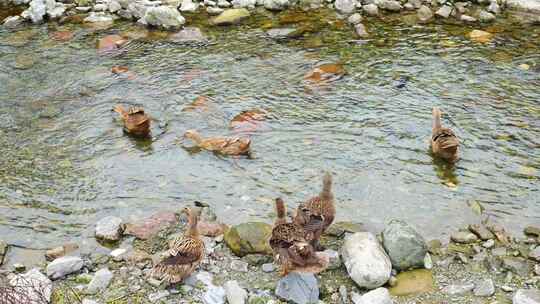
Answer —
239 266
488 244
507 288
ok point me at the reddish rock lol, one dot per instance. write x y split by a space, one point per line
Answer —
149 227
111 42
325 73
61 36
211 229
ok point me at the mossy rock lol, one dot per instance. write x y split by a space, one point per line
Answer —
413 282
249 238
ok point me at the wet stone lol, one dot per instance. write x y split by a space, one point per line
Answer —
149 227
361 31
424 14
281 33
64 266
109 228
231 16
484 288
188 34
60 251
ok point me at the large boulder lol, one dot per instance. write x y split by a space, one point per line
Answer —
300 288
231 16
163 17
526 296
405 246
64 266
34 285
109 228
249 238
366 261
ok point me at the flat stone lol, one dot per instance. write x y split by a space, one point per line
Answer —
464 237
101 280
526 296
231 16
281 33
235 293
517 265
194 34
413 282
458 289
300 288
484 288
64 266
481 231
377 296
109 228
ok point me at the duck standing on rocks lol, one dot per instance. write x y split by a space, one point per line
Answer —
444 142
136 122
222 145
291 250
184 255
318 213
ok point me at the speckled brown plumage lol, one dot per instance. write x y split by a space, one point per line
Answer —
184 255
222 145
291 250
318 213
136 122
444 142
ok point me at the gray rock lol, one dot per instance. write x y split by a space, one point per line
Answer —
480 230
463 237
100 7
389 5
235 293
526 296
64 266
34 285
415 3
276 5
531 6
189 6
268 267
345 6
239 266
516 265
189 34
424 14
244 3
164 17
157 296
458 289
125 14
281 33
355 18
137 10
494 8
444 11
404 245
109 228
361 31
484 288
343 293
114 6
10 22
202 277
54 9
466 18
499 251
366 261
35 12
300 288
214 295
98 17
335 260
537 269
535 254
371 9
377 296
100 281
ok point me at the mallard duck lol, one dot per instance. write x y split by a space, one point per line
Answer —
136 122
222 145
317 214
444 142
184 255
291 250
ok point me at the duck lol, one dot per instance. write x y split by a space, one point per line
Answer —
222 145
444 142
291 250
317 214
136 121
184 255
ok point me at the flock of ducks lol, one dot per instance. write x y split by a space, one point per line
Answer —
295 242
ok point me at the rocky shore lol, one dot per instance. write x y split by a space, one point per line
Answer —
480 263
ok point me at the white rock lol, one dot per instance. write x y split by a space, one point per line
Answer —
466 18
494 8
526 296
355 18
345 6
389 5
189 6
118 254
109 228
444 11
163 16
100 281
33 284
366 261
377 296
136 9
424 13
89 301
488 244
100 7
532 6
55 9
224 3
13 21
244 3
428 262
371 9
63 266
214 295
114 6
36 11
235 293
156 296
276 5
98 17
214 10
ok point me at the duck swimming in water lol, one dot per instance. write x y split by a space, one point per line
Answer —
222 145
444 142
136 121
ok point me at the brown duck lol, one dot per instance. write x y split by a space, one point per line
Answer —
291 250
317 214
444 142
222 145
184 255
136 122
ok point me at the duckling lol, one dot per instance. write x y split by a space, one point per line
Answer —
444 142
136 122
291 250
184 255
222 145
318 213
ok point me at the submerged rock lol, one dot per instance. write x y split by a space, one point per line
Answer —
377 296
248 238
526 296
34 285
404 245
325 73
231 16
480 36
164 17
300 288
366 261
101 280
64 266
109 228
413 282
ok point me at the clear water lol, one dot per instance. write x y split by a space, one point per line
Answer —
66 162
